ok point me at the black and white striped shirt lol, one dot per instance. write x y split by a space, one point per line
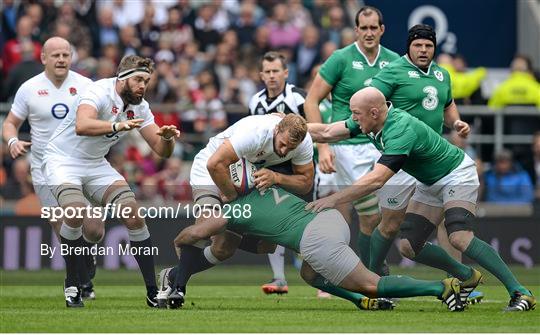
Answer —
291 100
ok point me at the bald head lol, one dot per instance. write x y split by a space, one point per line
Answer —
368 107
56 56
54 43
367 98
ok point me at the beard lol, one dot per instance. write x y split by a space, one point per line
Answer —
129 96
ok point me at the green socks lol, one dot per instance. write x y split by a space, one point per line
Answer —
403 287
435 256
364 242
490 260
378 250
322 284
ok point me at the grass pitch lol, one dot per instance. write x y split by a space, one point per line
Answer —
229 299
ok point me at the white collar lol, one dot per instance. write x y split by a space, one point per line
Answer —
365 57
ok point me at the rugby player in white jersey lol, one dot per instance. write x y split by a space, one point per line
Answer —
264 140
75 162
45 100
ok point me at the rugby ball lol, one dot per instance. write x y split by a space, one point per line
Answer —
242 176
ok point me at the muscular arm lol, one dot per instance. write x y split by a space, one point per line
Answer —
87 123
365 185
328 133
300 182
318 91
200 231
153 135
218 167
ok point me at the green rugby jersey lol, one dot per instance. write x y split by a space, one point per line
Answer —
347 70
276 216
430 156
424 95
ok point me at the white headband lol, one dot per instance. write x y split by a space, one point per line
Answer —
133 72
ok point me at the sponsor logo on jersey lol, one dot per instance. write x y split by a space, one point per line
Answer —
130 114
413 74
72 91
43 93
259 154
114 110
382 64
439 75
357 65
60 110
451 192
280 108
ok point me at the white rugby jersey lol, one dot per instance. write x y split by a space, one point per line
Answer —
46 106
253 138
102 96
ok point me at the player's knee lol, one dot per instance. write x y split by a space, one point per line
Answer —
405 249
93 233
222 249
458 222
390 223
307 273
415 231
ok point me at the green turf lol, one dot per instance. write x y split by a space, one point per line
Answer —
228 299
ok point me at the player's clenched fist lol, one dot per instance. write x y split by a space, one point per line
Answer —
264 178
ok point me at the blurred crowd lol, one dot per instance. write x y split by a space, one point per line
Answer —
207 54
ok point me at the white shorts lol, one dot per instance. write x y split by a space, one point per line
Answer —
95 176
353 162
324 184
325 246
459 185
41 188
199 177
397 191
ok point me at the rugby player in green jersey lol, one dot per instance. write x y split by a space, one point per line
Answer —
447 187
346 71
422 88
322 239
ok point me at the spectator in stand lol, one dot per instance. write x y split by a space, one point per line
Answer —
212 117
300 16
124 11
336 25
20 174
521 88
106 68
223 66
148 32
327 50
166 84
177 31
149 191
35 13
348 36
222 14
21 72
111 52
282 33
240 88
507 182
173 184
261 43
85 64
245 25
464 84
78 34
204 31
29 204
108 30
10 9
307 54
12 54
129 42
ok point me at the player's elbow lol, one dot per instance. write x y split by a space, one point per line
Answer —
80 130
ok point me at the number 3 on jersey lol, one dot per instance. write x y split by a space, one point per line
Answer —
431 101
